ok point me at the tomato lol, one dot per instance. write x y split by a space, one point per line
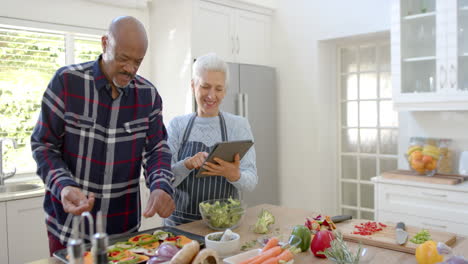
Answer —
321 242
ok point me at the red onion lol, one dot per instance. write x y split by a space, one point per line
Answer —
167 250
157 260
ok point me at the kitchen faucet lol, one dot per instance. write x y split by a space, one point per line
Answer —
5 175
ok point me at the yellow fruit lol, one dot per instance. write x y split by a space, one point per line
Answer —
426 253
413 148
416 155
431 148
435 155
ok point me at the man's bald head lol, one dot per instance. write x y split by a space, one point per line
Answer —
128 27
124 47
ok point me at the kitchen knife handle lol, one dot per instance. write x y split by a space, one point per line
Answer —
400 225
341 218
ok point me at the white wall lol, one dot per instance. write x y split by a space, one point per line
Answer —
172 60
85 16
307 177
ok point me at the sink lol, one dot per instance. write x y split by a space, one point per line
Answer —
19 187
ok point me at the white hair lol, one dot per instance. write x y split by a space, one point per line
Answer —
209 62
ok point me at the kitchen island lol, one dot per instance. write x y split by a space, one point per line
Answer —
286 219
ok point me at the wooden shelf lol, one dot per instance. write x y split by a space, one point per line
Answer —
419 16
415 59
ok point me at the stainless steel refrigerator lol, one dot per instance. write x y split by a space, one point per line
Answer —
252 93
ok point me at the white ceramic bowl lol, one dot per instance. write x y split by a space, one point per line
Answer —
224 248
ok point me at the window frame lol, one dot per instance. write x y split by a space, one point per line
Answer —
69 32
376 41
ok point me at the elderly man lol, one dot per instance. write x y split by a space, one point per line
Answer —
99 123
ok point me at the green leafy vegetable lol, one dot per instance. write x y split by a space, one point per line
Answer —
222 214
421 237
265 218
339 251
248 245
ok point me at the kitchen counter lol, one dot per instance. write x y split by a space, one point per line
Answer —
286 219
461 187
23 194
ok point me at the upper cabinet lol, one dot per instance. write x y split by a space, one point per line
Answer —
430 55
233 32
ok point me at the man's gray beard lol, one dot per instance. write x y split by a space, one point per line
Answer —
118 86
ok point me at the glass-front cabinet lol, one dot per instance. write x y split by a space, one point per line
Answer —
430 54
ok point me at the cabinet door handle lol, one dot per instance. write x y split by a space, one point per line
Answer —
233 45
453 74
240 104
434 195
246 105
238 45
443 72
436 226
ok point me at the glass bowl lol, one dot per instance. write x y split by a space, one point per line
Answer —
292 241
220 214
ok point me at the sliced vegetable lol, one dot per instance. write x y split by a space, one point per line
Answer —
421 237
368 228
248 245
222 214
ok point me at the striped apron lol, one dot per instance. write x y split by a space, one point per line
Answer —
192 190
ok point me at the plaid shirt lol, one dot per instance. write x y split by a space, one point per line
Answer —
84 138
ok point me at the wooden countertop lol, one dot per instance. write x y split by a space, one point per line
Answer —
286 219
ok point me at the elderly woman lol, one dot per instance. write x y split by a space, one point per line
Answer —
192 137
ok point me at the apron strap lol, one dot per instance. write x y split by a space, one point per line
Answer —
222 123
187 131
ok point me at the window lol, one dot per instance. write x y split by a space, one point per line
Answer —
28 60
369 126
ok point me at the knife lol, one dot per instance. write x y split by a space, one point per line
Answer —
340 218
400 233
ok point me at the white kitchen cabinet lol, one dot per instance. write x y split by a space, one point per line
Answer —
425 205
430 54
233 32
3 234
147 223
27 235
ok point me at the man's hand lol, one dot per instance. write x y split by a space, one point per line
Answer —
75 202
161 203
229 170
196 160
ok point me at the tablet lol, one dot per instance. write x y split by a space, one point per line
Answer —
226 151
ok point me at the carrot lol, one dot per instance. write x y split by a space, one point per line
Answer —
271 243
286 255
247 261
272 252
272 260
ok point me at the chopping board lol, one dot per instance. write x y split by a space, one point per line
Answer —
386 237
450 179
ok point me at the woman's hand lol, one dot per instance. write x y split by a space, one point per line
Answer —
196 160
229 170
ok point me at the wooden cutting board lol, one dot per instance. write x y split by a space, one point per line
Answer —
386 237
450 179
